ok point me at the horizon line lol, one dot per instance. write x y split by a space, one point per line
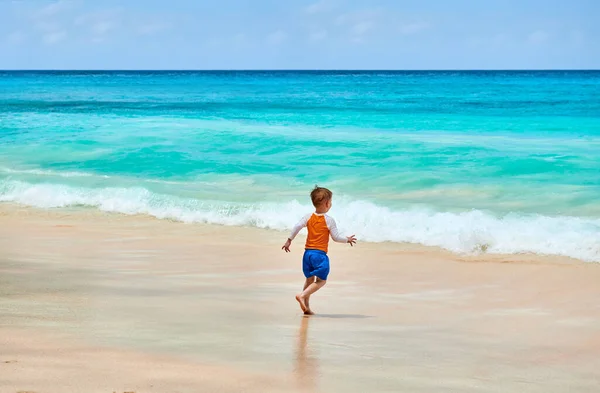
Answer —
292 69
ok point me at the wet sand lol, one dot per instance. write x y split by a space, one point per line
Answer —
110 303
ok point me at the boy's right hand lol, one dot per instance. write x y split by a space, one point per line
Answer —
352 240
287 245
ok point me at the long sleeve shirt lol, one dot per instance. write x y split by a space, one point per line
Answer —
320 227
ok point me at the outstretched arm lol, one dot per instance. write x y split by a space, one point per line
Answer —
295 230
335 233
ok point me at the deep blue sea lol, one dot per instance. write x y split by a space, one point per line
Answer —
500 162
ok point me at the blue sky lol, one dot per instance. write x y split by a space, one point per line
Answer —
293 34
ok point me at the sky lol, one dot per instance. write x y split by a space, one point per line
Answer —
294 34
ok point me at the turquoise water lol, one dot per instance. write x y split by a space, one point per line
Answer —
507 162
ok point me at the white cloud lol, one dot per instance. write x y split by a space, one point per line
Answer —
99 24
51 32
98 17
102 28
360 23
53 9
318 35
47 26
54 21
362 27
54 37
314 8
50 22
152 28
277 37
414 28
84 20
538 37
16 37
319 7
241 41
341 19
352 18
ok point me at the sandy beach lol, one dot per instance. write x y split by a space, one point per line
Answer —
93 302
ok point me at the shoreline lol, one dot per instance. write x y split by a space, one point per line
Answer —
13 210
119 297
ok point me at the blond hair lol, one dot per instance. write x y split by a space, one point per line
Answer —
320 196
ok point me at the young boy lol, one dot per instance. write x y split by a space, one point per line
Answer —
315 263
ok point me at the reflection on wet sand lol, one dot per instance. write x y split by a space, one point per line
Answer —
164 307
306 369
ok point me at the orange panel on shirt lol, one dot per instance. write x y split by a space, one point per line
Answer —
318 233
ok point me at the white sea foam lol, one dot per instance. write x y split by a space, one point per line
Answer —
467 232
41 172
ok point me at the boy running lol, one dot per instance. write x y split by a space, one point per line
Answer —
315 262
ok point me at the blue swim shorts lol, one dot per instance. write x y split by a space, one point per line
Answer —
315 263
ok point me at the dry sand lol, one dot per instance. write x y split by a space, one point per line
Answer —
91 302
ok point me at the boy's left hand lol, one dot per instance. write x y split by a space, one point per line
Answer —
351 240
287 245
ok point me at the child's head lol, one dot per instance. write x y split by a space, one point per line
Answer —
321 198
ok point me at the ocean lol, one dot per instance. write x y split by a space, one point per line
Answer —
501 162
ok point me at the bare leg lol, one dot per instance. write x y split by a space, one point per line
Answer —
304 301
308 281
310 289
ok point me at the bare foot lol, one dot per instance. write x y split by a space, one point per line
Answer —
308 312
300 300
